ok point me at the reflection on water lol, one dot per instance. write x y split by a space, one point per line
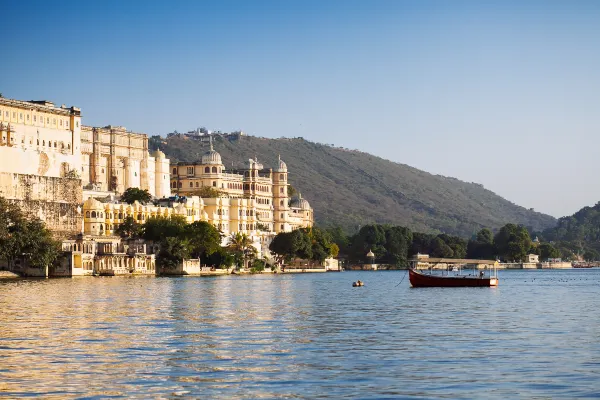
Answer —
311 335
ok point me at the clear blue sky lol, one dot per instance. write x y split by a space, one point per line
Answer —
502 93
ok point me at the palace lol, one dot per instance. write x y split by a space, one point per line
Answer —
70 176
267 189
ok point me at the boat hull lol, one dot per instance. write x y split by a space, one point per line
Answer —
418 279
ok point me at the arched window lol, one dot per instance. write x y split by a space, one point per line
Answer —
214 183
281 177
120 215
197 184
93 214
191 184
280 190
280 202
179 185
87 214
174 171
214 170
207 170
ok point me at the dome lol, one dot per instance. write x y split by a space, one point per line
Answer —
301 203
211 156
93 204
282 167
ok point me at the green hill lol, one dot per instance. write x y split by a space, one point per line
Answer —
351 188
578 234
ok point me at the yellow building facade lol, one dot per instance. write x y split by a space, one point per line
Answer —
265 189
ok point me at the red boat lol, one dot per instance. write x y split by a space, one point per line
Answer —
419 279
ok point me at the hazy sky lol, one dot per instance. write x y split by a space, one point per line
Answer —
502 93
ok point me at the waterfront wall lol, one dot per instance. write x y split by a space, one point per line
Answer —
55 201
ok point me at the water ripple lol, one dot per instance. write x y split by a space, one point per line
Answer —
301 336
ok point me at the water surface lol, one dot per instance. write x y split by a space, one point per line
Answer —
301 336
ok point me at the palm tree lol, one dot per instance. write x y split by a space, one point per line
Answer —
241 244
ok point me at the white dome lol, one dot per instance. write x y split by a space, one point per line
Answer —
211 156
282 167
301 203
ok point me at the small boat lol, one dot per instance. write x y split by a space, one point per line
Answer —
419 279
358 284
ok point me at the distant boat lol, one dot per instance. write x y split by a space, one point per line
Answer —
419 279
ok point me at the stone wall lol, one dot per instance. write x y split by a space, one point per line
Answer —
56 201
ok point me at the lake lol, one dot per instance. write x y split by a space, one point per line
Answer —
301 336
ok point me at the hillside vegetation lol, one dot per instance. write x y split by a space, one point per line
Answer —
578 235
351 189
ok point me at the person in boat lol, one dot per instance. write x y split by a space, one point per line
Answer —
481 274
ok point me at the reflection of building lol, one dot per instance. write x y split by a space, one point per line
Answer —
267 190
115 159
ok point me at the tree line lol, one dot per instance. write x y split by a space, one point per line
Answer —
395 245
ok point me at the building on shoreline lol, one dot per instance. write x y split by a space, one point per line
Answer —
267 189
69 176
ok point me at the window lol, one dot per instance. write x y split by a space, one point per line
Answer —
281 177
191 184
214 183
135 174
93 214
281 215
190 170
280 190
214 170
43 142
196 184
174 171
206 170
280 202
179 185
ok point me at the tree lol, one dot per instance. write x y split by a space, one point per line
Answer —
482 247
25 237
172 251
282 246
241 246
291 191
398 243
160 227
512 242
546 251
40 247
129 228
440 249
368 238
208 192
133 194
591 255
204 238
